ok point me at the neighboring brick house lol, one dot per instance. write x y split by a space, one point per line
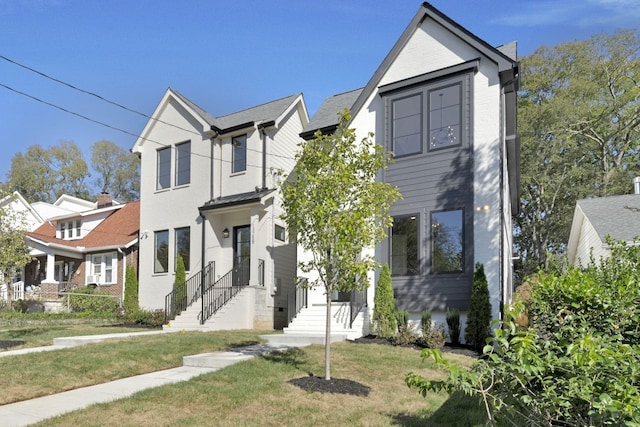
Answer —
86 248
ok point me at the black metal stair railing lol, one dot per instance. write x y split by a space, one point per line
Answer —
296 301
356 302
183 296
218 294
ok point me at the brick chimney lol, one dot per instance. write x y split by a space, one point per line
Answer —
104 200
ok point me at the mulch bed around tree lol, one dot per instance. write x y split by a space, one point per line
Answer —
7 344
334 385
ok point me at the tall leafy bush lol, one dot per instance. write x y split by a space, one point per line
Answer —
130 290
479 317
578 362
384 320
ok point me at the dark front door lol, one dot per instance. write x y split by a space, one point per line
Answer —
241 255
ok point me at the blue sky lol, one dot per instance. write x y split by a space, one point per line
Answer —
226 56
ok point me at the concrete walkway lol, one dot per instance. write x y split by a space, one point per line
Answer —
31 411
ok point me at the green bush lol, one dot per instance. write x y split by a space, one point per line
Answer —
384 321
88 300
425 321
453 323
153 318
405 334
130 290
479 316
432 336
578 362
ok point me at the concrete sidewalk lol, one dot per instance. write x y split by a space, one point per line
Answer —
35 410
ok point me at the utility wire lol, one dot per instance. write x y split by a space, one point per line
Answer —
116 128
93 94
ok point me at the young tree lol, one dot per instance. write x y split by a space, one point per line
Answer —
14 253
384 305
337 208
479 317
130 291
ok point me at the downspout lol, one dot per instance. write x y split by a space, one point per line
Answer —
202 271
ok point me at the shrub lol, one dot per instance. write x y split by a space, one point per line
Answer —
130 290
479 317
153 318
405 334
453 323
576 363
425 322
432 336
384 320
87 300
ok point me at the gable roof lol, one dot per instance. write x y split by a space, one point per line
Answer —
120 229
615 216
503 56
264 115
325 119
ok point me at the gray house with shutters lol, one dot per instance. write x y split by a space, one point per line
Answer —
444 102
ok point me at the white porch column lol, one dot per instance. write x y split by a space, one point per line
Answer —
255 254
51 268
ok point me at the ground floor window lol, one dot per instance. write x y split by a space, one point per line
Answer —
447 241
102 268
405 245
183 246
161 252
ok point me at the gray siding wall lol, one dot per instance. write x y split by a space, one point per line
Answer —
434 181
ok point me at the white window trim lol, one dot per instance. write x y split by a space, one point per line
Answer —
89 270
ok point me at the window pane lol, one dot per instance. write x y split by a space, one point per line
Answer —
239 144
108 268
445 116
404 246
183 246
161 256
280 233
183 163
78 228
447 241
164 168
407 125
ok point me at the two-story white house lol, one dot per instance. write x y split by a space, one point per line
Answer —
208 195
444 102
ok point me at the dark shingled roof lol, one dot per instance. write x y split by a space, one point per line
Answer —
267 112
616 216
236 199
326 118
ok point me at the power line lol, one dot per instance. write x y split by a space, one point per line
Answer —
40 73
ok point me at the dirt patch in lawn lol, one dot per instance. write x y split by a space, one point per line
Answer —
334 385
7 344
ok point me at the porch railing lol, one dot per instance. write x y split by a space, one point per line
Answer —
356 302
217 295
296 301
183 296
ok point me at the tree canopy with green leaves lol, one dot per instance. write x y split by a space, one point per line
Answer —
336 207
44 174
579 122
14 253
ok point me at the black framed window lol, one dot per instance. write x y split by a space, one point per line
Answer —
447 241
405 254
239 155
161 252
183 163
183 246
445 116
407 125
280 233
163 172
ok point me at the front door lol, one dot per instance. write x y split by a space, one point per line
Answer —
241 255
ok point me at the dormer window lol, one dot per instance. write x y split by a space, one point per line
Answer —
70 229
63 228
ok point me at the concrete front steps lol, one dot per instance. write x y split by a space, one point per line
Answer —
233 315
311 322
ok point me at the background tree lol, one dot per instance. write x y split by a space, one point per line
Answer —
579 121
336 208
46 174
117 170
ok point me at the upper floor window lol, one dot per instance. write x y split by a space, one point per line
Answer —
429 115
70 230
239 155
447 241
445 116
183 163
280 233
163 170
407 125
405 254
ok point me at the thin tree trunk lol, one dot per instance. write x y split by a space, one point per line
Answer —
327 340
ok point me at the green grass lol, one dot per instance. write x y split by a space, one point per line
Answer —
258 392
